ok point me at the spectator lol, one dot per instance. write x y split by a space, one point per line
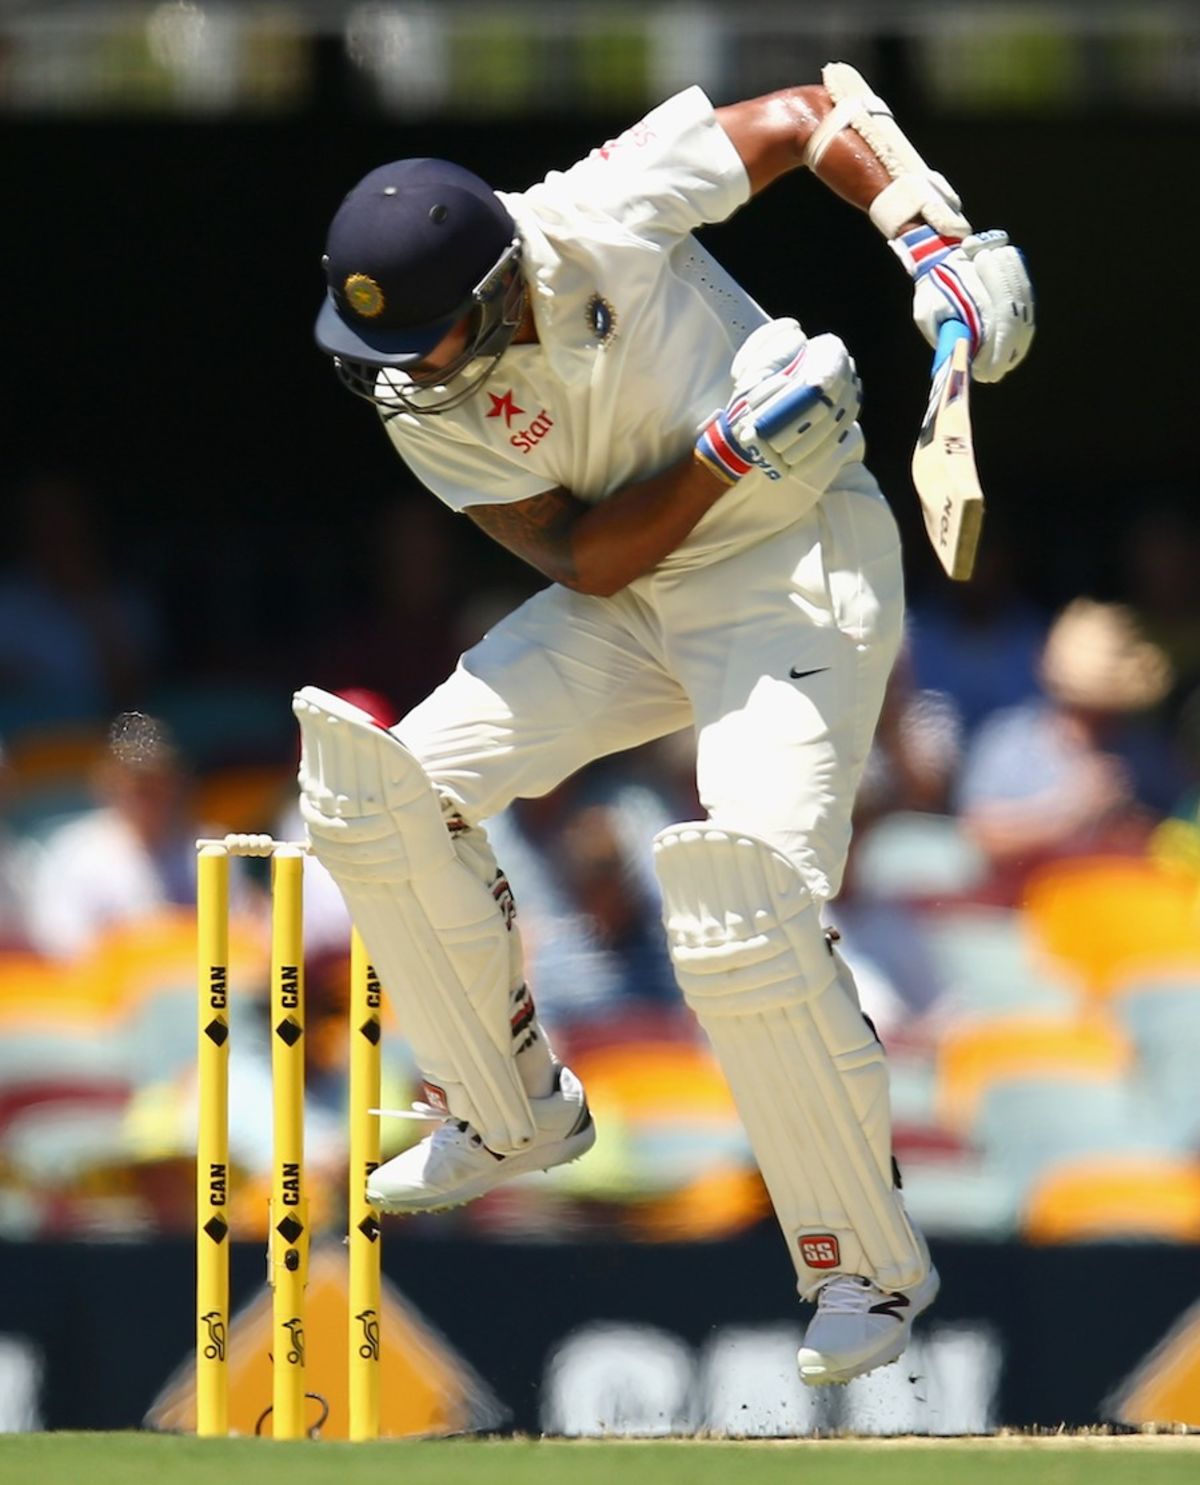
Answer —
916 751
128 858
73 642
978 642
1162 558
587 906
621 922
396 634
1080 768
14 929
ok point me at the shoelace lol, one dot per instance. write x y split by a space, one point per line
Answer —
427 1114
848 1294
423 1111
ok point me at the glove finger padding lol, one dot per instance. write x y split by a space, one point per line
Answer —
769 349
816 460
801 420
1001 269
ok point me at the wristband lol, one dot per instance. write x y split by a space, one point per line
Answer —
719 451
922 249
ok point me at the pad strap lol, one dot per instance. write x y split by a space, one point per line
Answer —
829 128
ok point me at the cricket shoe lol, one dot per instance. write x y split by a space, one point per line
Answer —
859 1326
453 1165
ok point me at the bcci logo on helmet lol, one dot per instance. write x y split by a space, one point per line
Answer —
364 295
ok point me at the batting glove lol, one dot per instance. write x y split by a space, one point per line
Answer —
770 349
980 280
793 410
802 418
724 453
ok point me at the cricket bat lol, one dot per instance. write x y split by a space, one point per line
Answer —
943 462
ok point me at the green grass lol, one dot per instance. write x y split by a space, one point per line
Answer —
149 1459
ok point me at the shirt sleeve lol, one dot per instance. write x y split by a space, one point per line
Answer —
674 171
461 474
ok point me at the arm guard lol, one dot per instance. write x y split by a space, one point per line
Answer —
916 192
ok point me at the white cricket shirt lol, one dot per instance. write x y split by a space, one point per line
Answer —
637 326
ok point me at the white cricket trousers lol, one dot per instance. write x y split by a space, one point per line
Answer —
778 656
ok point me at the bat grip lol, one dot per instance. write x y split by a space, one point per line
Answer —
950 333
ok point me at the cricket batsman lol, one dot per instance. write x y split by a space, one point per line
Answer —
570 369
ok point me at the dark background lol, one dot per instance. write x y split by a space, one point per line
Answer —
163 276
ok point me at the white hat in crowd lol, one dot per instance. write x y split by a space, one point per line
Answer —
1097 658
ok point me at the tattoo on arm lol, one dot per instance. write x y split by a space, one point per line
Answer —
537 530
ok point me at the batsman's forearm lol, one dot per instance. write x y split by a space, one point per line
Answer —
601 548
629 533
772 134
848 165
850 169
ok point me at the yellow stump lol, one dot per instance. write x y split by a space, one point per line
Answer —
363 1225
212 1147
287 1254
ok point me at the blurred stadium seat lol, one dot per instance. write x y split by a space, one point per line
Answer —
242 798
64 1081
1115 1197
912 1087
131 965
49 755
983 957
961 1197
156 955
1161 1012
57 1054
670 1143
1104 916
35 991
911 856
1025 1125
717 1204
50 775
976 1055
53 1131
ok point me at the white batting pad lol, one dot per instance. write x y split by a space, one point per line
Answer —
806 1071
435 933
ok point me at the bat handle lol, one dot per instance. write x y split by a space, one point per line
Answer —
951 332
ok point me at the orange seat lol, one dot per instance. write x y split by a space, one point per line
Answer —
982 1052
241 798
50 756
158 953
1102 916
672 1149
1125 1196
128 963
718 1204
671 1080
37 991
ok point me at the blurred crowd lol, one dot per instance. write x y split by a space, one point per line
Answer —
1022 908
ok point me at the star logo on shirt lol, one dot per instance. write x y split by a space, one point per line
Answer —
504 407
